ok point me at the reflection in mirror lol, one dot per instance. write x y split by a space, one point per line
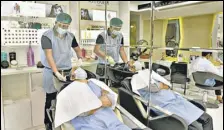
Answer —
172 37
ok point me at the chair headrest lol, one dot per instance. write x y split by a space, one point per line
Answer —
126 84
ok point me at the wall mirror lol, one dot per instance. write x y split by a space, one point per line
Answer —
172 38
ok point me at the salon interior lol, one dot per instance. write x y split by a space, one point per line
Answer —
179 44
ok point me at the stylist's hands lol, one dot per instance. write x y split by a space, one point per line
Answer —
59 76
104 99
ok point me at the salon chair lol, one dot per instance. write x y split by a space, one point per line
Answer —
200 78
137 107
126 117
179 74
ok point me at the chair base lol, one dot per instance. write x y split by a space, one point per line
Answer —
208 104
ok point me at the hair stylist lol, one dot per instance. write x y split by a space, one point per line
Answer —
56 57
114 42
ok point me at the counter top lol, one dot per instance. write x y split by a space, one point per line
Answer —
12 71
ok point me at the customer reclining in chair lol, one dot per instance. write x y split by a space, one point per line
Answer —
103 118
162 96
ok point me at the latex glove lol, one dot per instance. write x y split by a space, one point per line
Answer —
79 62
60 77
110 60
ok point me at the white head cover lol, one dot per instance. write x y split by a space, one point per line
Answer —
138 65
80 74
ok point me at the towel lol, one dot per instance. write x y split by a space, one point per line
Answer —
74 100
141 80
78 98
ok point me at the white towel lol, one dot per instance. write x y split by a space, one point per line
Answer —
141 80
102 85
75 99
78 98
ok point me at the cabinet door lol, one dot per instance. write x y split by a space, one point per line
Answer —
38 103
18 115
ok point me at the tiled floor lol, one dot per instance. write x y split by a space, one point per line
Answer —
217 115
196 93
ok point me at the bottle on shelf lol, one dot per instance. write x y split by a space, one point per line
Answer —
12 56
30 56
83 52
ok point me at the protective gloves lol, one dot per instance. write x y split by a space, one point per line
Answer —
60 77
110 60
79 62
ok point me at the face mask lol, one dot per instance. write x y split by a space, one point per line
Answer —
61 31
115 32
80 74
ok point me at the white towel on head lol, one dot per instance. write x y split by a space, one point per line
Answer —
141 80
74 100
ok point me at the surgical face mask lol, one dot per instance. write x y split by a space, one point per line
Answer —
115 32
61 31
80 74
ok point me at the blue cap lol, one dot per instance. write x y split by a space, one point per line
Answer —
116 22
64 18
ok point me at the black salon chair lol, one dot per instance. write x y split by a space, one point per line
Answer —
200 78
179 74
164 122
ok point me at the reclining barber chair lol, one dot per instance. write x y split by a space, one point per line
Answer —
137 107
123 115
200 78
179 74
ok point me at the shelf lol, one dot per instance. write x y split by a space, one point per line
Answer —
13 71
28 19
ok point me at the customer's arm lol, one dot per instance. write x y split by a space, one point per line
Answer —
105 102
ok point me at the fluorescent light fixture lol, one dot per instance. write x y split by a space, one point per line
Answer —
178 4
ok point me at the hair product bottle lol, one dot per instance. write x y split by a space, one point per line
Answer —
30 56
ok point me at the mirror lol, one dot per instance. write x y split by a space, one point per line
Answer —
172 37
217 35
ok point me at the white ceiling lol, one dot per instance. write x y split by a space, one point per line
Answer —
191 10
